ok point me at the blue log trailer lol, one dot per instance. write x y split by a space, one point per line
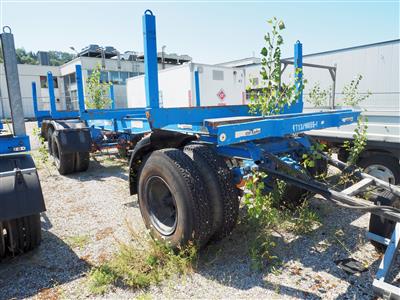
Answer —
21 199
72 135
186 164
186 171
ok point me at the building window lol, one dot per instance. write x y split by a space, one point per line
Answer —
43 82
55 82
72 78
218 75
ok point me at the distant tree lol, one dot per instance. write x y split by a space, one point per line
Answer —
57 58
24 57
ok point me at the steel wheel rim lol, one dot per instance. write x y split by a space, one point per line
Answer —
381 172
161 205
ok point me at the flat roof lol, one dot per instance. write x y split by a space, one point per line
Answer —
351 48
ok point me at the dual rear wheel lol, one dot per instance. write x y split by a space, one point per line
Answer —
187 196
66 163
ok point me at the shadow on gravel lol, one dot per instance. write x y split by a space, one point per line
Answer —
228 262
53 263
100 171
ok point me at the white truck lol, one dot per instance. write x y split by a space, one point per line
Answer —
379 65
199 85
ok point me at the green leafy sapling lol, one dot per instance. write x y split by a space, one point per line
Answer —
357 145
352 97
97 91
274 95
318 96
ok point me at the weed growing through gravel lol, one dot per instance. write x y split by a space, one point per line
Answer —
78 241
42 155
140 264
265 216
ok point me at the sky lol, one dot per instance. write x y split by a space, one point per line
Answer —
209 31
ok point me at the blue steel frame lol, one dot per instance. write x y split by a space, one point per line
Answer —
114 120
14 144
218 125
200 120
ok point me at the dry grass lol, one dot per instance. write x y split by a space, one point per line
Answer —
141 263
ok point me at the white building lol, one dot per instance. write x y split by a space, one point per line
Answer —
115 68
378 63
192 84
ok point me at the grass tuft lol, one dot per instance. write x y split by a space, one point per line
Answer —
140 264
78 241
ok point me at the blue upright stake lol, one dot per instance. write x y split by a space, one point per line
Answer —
35 100
197 87
79 85
112 96
298 75
53 108
150 59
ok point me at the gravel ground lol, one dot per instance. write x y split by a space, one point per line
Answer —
87 215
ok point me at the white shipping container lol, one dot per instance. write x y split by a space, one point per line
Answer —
177 87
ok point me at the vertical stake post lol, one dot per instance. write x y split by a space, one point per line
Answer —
298 75
12 79
50 85
112 97
79 85
35 99
197 87
150 59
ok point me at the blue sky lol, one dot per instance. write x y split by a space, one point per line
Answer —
210 32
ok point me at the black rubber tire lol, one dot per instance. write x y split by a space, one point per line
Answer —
82 161
65 162
293 196
2 241
379 225
35 230
12 239
380 159
218 181
23 234
193 208
49 140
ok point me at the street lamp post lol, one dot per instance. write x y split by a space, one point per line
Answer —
163 56
73 49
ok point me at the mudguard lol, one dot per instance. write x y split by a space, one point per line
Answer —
157 139
20 190
74 140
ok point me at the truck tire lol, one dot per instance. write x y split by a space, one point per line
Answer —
382 166
172 199
65 162
218 181
49 141
2 241
82 160
379 225
293 196
23 234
